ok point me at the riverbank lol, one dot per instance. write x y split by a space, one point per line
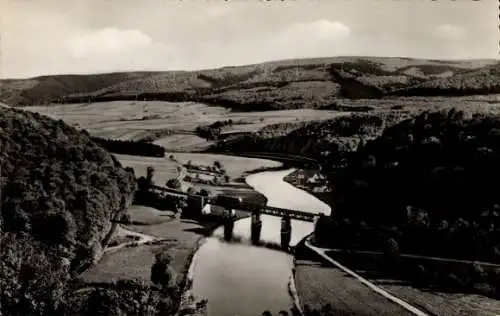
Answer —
321 194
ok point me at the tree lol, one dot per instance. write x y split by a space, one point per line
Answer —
150 172
162 274
174 184
204 192
217 164
391 250
226 178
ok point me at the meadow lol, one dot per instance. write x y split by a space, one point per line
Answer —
168 124
131 262
165 169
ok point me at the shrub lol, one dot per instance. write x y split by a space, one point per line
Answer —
174 184
162 274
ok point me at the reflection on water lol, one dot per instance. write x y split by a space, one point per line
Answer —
240 279
270 232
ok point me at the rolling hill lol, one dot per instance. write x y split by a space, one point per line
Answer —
287 84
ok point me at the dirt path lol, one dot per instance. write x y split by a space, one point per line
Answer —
125 232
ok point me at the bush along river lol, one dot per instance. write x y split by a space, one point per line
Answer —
238 278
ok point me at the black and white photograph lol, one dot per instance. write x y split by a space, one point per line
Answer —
249 158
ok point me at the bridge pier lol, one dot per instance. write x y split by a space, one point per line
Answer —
228 225
256 227
286 231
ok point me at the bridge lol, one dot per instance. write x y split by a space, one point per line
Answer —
255 207
298 215
237 203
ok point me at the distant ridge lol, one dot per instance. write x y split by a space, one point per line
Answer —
285 84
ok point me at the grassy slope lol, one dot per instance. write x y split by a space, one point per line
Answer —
303 83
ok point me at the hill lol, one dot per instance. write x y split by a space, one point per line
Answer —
46 89
445 162
60 192
288 84
320 139
480 81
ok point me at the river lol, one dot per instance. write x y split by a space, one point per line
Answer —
238 278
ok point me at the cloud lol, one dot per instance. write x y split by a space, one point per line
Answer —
314 32
450 32
315 39
108 42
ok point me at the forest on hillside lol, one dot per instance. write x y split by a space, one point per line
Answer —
60 192
327 141
427 186
130 147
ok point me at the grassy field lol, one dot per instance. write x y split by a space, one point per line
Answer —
444 304
165 169
234 166
318 285
181 238
149 216
126 263
124 120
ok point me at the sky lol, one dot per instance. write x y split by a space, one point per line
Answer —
39 37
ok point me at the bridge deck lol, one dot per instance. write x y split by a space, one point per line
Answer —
269 210
299 215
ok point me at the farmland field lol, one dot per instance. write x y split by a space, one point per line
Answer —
443 304
235 166
134 120
165 169
318 286
148 215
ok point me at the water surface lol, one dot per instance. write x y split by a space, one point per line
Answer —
238 278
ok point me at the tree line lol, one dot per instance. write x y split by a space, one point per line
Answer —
130 147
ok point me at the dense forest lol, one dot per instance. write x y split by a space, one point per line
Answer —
130 147
426 186
315 139
60 192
